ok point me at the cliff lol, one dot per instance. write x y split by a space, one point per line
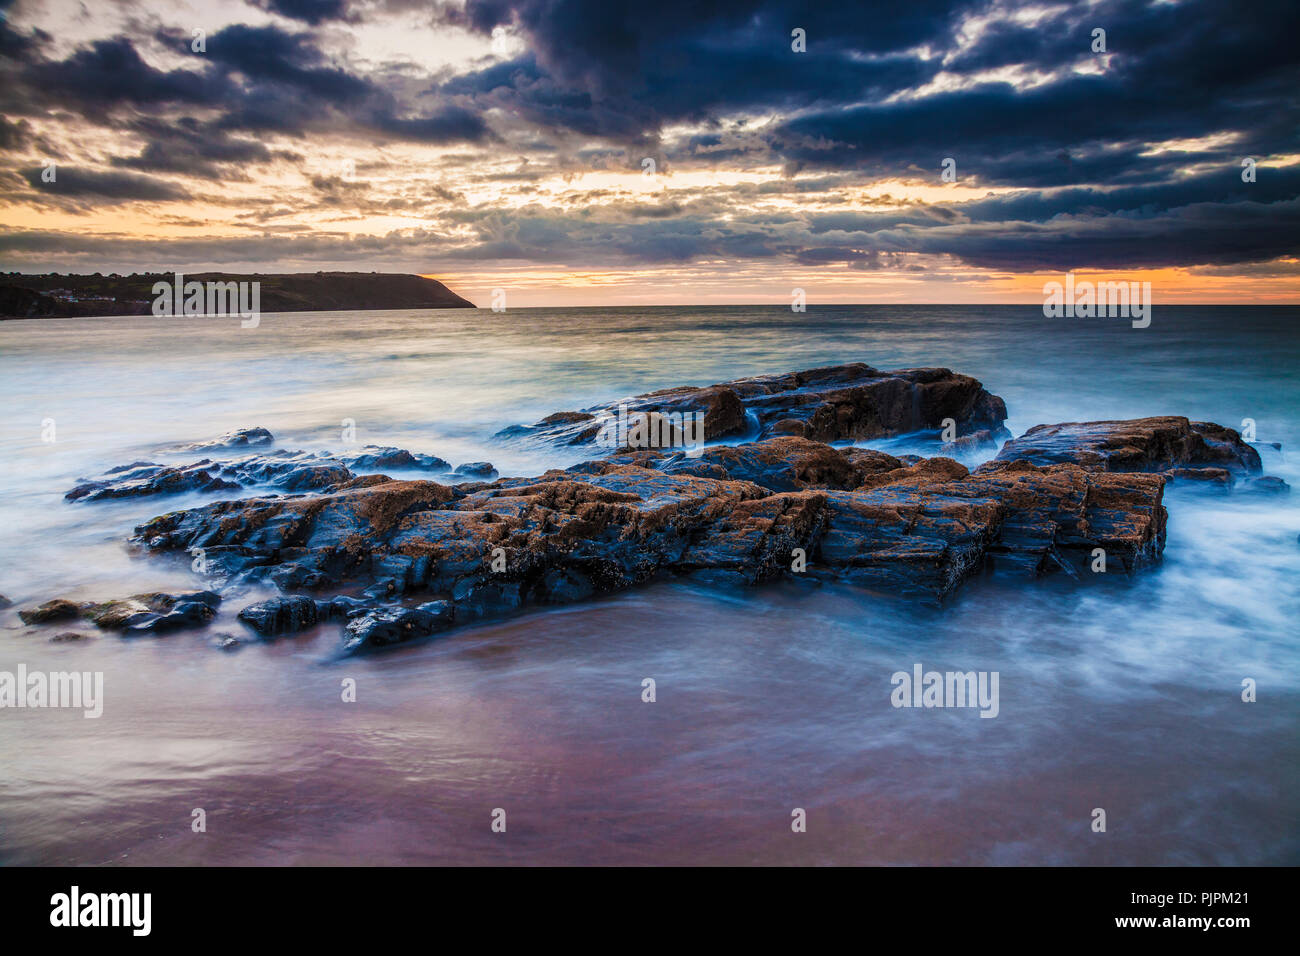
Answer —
66 296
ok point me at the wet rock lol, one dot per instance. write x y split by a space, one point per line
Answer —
153 607
342 608
377 457
143 480
5 602
1139 444
57 610
292 471
984 439
907 526
240 438
869 461
1215 479
226 642
182 616
281 615
778 464
69 636
394 625
921 473
1058 515
838 403
1264 485
477 469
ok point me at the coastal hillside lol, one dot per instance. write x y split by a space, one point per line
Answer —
65 296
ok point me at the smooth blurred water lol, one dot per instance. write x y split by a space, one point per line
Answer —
1118 695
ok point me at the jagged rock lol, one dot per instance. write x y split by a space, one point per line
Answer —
292 471
394 625
281 615
477 469
1139 444
151 613
375 456
240 438
145 479
917 528
182 616
838 403
779 464
1059 514
923 472
57 610
150 609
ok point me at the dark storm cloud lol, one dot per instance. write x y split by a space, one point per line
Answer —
73 184
884 90
253 79
192 148
1173 72
313 12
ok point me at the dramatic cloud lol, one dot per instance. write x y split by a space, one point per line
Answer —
586 134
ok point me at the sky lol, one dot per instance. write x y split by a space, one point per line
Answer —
610 152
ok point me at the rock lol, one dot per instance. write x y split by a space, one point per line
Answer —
226 642
152 607
477 469
922 473
1139 444
56 610
376 457
281 615
907 526
292 471
1264 485
779 464
1216 479
145 480
68 636
5 602
240 438
981 440
1057 515
183 615
838 403
394 625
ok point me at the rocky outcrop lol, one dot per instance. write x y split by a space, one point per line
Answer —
916 527
1208 455
151 613
839 403
1139 444
240 438
418 556
281 469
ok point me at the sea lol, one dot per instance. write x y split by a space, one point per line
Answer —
1169 702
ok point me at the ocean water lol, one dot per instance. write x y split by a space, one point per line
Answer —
1119 695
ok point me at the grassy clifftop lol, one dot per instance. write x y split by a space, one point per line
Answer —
63 296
